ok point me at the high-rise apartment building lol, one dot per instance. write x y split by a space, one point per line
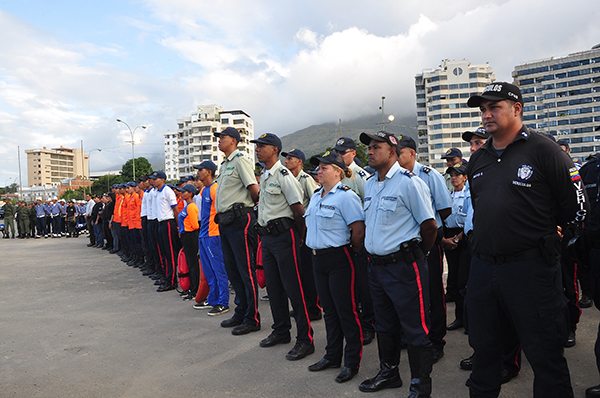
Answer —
50 166
562 97
193 142
442 112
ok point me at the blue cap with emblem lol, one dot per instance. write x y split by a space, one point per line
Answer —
158 174
479 132
188 188
297 153
344 144
207 164
405 141
230 131
459 168
329 158
268 139
452 153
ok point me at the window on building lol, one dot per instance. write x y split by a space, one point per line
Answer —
225 121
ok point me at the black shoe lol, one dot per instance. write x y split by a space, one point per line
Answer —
244 328
593 392
457 324
346 375
507 375
368 336
231 322
299 351
585 302
156 276
274 339
386 378
315 317
91 244
571 340
323 364
438 353
166 288
467 363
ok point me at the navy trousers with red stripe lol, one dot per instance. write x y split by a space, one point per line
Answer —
281 261
400 293
170 245
437 300
239 244
335 277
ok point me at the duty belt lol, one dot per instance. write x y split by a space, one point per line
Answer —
526 255
390 258
275 227
320 252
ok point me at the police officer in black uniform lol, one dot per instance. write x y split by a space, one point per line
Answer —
522 186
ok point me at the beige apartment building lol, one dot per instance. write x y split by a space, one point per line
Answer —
50 166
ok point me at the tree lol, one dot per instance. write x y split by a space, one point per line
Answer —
103 184
77 194
142 166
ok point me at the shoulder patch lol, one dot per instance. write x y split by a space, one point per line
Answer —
362 173
409 173
239 154
318 189
284 172
426 169
304 176
344 187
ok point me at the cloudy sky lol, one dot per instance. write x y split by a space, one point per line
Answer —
68 69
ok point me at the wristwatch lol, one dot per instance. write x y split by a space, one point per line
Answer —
455 239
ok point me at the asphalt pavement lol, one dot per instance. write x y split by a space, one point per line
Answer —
77 322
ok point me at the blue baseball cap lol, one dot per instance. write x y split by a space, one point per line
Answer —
460 168
189 188
207 164
404 141
297 153
344 143
158 174
230 131
268 139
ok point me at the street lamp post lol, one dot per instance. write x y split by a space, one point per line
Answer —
132 143
390 117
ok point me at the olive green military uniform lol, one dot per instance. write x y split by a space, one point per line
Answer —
308 185
278 191
357 181
235 175
9 218
23 220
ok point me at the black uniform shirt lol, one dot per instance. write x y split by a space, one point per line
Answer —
590 175
522 194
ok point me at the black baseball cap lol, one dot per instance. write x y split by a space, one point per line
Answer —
497 91
344 143
381 136
297 153
329 158
268 139
459 168
404 141
207 164
563 143
479 132
452 153
230 131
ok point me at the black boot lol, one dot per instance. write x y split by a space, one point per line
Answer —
388 346
421 363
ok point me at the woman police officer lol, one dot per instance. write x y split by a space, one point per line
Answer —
335 232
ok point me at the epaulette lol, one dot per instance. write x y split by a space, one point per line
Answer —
239 154
284 171
370 176
318 189
362 173
344 187
305 176
426 169
409 173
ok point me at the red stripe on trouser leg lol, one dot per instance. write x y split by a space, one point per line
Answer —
300 284
353 300
421 304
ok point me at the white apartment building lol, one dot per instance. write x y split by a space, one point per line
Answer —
193 142
442 112
562 97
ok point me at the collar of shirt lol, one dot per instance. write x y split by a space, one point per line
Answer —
523 134
393 170
232 155
273 169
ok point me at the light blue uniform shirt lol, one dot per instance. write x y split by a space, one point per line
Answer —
440 197
40 210
328 218
394 210
468 209
55 209
459 206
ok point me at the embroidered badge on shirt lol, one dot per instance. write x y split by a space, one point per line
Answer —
525 172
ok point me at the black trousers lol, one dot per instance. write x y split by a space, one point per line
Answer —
169 248
459 263
527 294
362 291
154 247
308 281
437 299
189 241
281 261
107 233
239 245
335 277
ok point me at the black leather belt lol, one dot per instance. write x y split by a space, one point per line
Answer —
390 258
526 255
320 252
